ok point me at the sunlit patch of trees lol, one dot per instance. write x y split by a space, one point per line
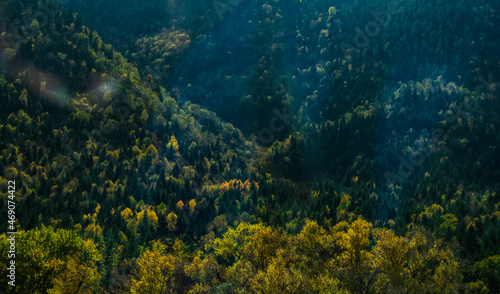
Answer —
125 186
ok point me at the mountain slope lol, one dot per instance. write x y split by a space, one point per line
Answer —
357 152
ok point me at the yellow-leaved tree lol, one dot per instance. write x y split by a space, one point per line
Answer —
415 264
155 273
203 271
80 274
355 263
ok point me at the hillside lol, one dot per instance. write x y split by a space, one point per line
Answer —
251 147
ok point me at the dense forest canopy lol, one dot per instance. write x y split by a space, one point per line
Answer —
302 146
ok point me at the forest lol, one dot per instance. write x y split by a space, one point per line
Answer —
230 147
